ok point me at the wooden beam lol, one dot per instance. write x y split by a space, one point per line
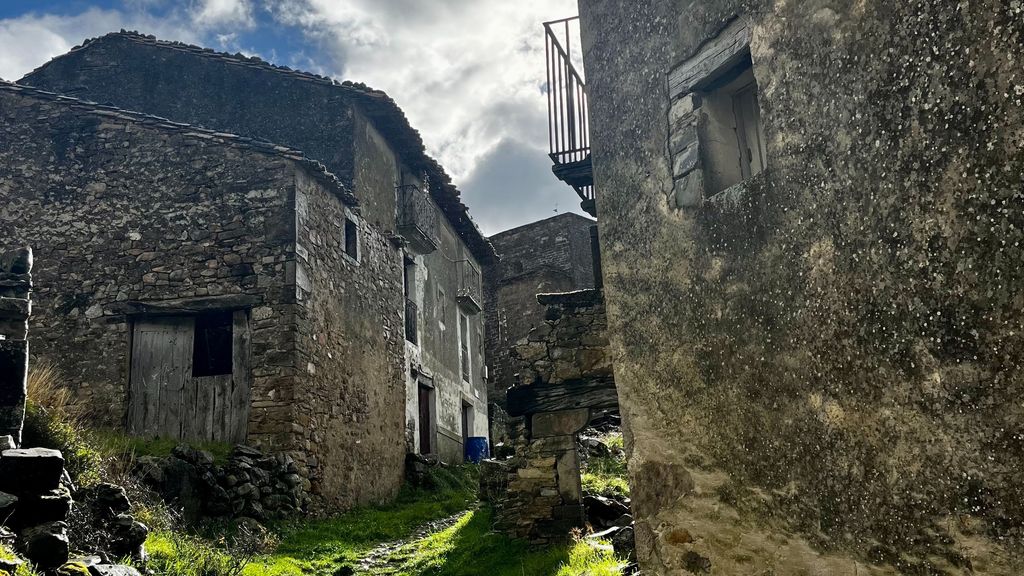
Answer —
718 54
181 306
598 393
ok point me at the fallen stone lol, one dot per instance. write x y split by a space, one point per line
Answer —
73 568
242 450
7 504
603 512
624 543
110 499
36 509
7 443
30 470
128 536
46 545
192 455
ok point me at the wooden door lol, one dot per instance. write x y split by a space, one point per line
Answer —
160 369
425 423
171 399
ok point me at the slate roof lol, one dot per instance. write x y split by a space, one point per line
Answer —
316 169
386 115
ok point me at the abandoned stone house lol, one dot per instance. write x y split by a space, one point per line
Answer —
229 250
546 256
811 290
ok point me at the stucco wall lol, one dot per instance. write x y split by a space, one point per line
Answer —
821 372
349 335
119 211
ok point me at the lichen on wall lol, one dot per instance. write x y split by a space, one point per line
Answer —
831 357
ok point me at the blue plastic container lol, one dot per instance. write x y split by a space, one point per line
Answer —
476 449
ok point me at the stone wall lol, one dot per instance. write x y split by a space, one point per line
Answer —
543 499
349 407
120 210
146 213
828 357
571 344
548 256
15 307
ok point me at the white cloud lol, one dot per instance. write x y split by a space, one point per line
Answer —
469 74
32 39
220 13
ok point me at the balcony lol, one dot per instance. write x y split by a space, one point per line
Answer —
568 112
418 220
470 293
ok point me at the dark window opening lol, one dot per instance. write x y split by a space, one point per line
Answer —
212 344
411 308
351 238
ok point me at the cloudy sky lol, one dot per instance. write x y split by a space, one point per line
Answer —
468 73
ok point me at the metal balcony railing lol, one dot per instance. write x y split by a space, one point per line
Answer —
568 112
411 321
470 294
418 219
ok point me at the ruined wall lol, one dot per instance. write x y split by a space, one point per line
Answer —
542 501
350 411
552 255
117 210
15 308
820 372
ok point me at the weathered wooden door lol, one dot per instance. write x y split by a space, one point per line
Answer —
425 424
174 397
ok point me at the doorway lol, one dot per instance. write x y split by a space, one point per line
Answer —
427 426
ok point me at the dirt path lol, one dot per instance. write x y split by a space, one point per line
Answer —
383 554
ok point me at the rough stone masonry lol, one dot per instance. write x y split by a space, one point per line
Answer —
15 307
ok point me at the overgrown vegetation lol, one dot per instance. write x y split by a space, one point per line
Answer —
607 475
470 548
301 546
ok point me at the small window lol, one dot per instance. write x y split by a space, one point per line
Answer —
351 238
733 140
212 344
464 346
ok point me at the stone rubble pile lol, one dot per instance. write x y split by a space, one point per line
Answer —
35 501
250 484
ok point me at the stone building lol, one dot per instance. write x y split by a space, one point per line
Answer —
811 246
280 254
550 255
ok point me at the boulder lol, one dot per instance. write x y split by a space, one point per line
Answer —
30 470
46 545
113 570
73 568
7 443
150 470
624 543
603 512
7 504
192 455
109 500
127 536
36 509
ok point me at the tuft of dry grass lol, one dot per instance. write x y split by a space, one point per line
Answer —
46 392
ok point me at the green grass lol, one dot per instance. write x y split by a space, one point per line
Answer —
607 475
23 570
320 546
470 548
118 443
49 429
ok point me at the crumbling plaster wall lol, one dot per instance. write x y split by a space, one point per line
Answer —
117 211
835 350
349 340
379 171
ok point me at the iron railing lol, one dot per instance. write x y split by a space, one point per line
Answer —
568 111
418 219
470 294
411 320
